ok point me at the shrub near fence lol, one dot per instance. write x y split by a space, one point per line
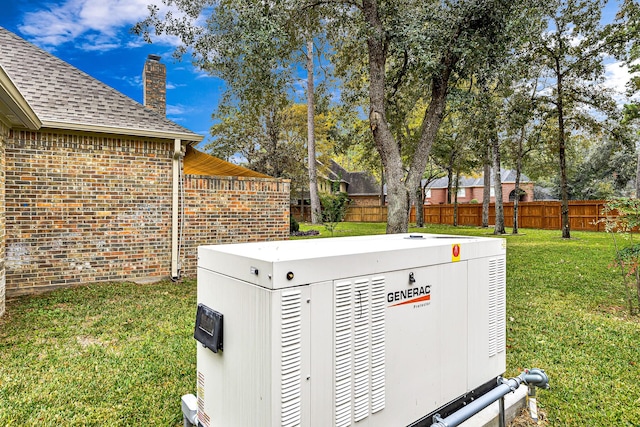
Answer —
583 214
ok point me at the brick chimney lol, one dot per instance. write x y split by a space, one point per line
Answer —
154 82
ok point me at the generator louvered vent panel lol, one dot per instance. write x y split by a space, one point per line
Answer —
291 358
359 349
497 305
343 353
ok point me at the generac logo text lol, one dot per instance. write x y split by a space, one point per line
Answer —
409 296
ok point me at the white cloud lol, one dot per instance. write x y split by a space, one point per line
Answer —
134 81
177 110
171 85
616 78
200 74
91 24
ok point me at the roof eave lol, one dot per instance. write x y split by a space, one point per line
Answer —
18 108
184 136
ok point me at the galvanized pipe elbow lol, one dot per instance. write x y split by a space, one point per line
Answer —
536 377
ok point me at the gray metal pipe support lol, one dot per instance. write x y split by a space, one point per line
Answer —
534 376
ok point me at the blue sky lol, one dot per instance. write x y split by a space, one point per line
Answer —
93 35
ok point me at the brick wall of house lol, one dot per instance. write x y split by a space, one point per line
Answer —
232 210
3 137
85 208
439 195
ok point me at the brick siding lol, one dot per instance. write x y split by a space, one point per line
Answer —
3 139
232 210
84 208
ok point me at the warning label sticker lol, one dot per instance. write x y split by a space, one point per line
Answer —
455 252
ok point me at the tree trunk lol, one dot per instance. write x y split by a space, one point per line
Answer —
564 194
399 184
420 207
455 200
486 192
382 201
516 199
311 137
497 183
397 194
449 181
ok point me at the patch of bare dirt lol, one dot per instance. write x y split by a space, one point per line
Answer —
86 341
524 419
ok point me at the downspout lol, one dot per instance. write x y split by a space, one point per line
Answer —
178 154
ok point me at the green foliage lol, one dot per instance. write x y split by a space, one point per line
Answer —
253 47
293 225
571 52
404 59
334 209
622 222
627 29
607 169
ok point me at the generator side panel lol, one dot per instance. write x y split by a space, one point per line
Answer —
400 344
487 319
322 374
427 327
234 386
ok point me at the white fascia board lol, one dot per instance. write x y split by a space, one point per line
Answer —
11 97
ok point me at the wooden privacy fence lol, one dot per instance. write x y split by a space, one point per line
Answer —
583 214
366 214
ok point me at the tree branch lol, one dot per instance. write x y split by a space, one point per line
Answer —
401 74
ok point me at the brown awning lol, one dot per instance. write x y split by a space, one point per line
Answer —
199 163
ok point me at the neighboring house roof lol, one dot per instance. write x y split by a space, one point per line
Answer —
199 163
506 176
358 183
39 90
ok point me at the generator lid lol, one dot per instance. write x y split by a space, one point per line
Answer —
283 264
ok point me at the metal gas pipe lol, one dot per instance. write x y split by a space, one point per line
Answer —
533 378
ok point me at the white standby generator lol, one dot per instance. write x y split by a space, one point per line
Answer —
372 331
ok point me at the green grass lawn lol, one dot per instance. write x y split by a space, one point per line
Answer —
123 354
101 355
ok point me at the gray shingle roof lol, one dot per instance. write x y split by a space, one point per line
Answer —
358 183
63 97
506 175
